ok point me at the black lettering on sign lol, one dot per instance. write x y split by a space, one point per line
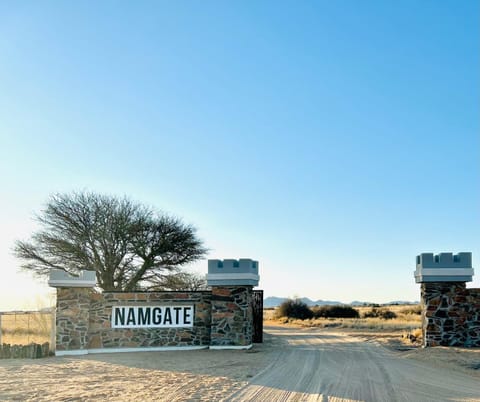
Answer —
152 316
187 315
168 316
120 316
144 316
177 315
131 317
157 315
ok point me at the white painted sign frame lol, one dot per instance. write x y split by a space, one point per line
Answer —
160 316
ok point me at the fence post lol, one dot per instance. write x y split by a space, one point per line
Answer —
28 329
53 331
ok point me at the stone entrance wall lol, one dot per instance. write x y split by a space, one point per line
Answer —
84 320
232 316
222 317
100 335
450 315
450 311
72 318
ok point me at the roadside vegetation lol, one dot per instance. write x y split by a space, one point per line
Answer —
402 320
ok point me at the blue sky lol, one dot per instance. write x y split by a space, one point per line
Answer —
331 141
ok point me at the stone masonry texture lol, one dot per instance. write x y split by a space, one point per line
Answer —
450 314
223 317
232 316
84 320
101 335
72 318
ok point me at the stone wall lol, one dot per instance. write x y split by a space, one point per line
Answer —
232 316
223 317
92 322
84 320
72 318
101 335
450 315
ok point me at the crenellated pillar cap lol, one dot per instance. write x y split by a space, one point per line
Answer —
233 272
444 267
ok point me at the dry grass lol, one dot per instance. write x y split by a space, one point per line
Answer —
406 326
25 328
400 332
400 310
374 324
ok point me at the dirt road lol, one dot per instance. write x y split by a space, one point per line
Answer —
311 365
291 365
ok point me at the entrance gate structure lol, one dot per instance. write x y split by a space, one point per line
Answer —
450 310
88 321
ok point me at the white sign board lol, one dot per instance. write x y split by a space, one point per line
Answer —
152 316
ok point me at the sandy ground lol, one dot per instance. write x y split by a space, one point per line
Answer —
200 375
317 365
292 364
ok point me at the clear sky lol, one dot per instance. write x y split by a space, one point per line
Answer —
333 141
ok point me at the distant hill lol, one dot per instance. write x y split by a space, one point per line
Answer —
273 301
357 303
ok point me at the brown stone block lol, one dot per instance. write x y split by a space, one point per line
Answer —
434 301
225 314
125 296
95 342
221 291
155 296
96 296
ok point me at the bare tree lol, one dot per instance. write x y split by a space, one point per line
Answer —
181 280
129 245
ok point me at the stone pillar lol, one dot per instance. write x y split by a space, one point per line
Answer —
232 284
443 297
73 311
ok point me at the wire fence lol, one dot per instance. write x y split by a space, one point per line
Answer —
26 327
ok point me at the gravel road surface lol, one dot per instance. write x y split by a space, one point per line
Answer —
311 365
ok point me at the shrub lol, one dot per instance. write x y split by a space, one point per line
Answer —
294 309
382 313
414 335
335 312
414 310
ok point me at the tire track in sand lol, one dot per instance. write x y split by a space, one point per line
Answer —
311 365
